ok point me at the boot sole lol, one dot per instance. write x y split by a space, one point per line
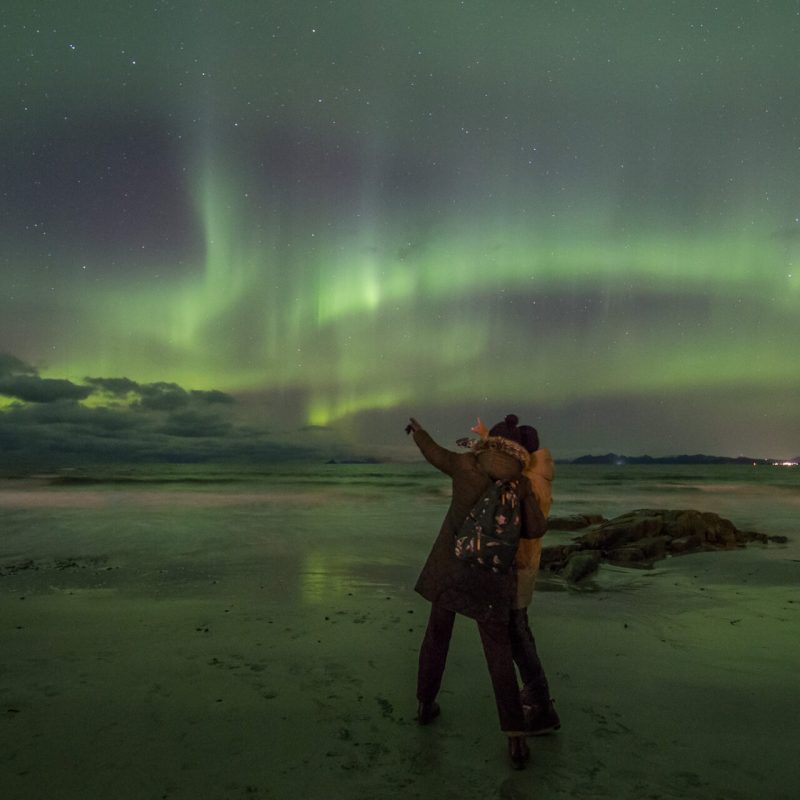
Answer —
543 731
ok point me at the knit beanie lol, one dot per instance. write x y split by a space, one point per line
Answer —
530 438
508 429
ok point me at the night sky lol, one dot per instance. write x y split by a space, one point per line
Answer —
262 226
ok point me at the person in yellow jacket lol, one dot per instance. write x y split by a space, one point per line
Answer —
540 714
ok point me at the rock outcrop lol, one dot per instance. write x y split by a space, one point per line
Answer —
576 522
640 538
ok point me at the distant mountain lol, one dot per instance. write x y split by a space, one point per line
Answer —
699 458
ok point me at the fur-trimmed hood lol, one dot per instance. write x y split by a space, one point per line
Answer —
503 445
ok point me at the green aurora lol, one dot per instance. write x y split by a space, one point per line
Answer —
587 213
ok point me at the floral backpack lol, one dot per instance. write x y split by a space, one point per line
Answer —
489 536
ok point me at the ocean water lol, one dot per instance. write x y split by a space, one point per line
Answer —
759 497
341 523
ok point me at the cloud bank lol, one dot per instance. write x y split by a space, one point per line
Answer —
117 419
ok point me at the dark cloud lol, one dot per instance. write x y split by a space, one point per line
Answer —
120 387
11 366
163 396
66 427
195 424
157 396
214 396
67 432
21 381
33 389
135 423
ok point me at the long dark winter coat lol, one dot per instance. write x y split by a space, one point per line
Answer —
445 579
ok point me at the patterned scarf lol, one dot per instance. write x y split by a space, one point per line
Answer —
502 445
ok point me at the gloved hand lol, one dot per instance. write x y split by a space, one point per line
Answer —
413 425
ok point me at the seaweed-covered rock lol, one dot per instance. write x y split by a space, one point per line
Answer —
711 528
555 558
581 564
654 531
627 556
685 544
575 522
641 537
653 547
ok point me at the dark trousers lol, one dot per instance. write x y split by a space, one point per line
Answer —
534 682
496 640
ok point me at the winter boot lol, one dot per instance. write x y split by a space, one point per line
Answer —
541 717
427 712
518 751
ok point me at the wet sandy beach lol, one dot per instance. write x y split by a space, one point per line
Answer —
254 664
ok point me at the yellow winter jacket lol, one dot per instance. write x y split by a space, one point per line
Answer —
540 473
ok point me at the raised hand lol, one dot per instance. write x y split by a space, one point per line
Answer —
480 428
